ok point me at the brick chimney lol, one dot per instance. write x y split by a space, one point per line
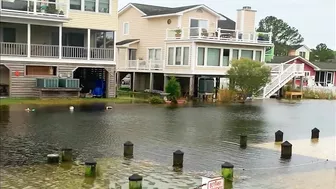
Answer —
246 20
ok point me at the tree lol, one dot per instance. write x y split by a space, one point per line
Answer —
248 76
283 35
322 53
174 89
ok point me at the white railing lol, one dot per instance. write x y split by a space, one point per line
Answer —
74 52
48 51
286 73
40 8
102 54
218 34
144 65
16 49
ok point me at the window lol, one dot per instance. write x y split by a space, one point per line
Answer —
75 4
235 54
154 54
303 54
186 56
131 54
171 56
126 28
226 56
178 56
41 70
306 73
213 57
104 6
9 35
247 54
201 56
90 5
258 56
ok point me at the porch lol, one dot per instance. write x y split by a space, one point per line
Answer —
34 41
218 35
51 9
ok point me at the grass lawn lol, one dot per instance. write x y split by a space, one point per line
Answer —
123 97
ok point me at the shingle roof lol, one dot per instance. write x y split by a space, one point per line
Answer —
226 24
281 59
151 10
326 65
126 41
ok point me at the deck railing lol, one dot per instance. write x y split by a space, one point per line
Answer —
144 65
102 54
14 49
36 7
47 51
52 51
74 52
218 35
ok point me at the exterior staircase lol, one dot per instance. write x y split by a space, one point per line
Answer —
281 75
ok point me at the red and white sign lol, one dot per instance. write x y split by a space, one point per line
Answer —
213 183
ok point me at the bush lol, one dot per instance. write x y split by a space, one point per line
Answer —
226 95
310 94
174 89
156 100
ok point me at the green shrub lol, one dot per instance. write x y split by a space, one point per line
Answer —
156 100
173 87
310 94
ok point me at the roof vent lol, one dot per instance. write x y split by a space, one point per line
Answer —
199 10
247 8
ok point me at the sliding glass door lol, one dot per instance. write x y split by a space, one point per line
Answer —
195 24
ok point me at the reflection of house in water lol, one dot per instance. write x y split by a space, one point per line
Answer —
4 115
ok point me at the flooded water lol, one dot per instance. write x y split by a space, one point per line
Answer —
208 134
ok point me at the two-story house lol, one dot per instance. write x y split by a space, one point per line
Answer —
193 43
300 50
57 39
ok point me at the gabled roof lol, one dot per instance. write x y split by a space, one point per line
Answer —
289 59
331 66
155 11
296 47
127 41
226 23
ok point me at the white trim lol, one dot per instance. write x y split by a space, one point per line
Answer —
242 20
89 44
179 22
303 60
55 60
202 6
124 33
129 5
25 17
162 15
82 5
219 42
60 49
193 54
115 54
28 39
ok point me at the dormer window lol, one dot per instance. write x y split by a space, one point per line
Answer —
303 54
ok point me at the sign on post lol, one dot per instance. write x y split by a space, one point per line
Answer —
212 183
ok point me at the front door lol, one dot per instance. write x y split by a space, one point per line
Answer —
330 78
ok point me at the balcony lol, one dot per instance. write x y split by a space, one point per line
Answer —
35 9
219 35
52 51
142 65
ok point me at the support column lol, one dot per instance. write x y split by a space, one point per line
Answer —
118 80
191 86
133 82
28 39
151 81
60 53
293 83
88 44
301 83
165 82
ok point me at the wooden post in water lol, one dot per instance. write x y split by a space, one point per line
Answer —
135 181
243 141
315 133
90 168
227 171
53 158
286 150
278 136
66 154
178 159
128 149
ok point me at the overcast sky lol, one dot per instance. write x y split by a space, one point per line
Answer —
315 19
